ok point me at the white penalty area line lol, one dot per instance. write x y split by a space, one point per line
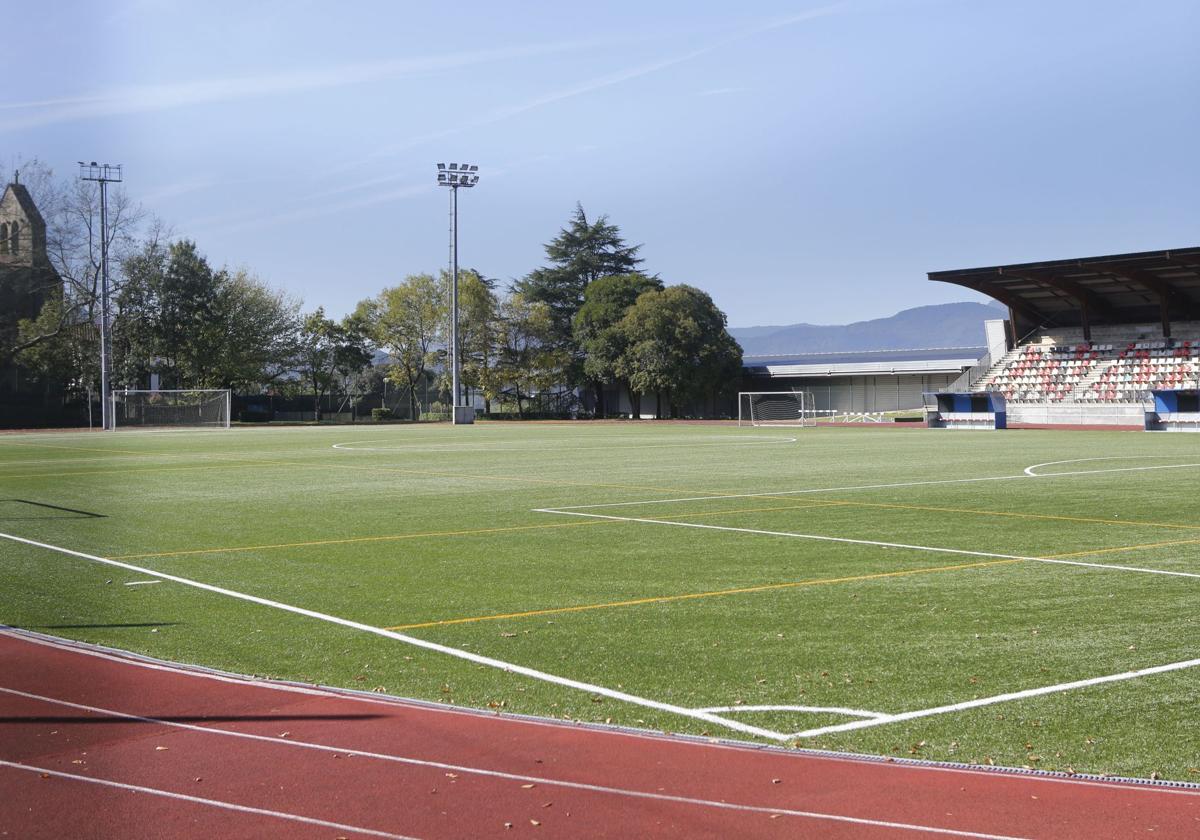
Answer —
487 661
458 768
199 800
877 543
999 698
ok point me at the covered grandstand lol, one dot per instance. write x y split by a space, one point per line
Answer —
864 382
1088 340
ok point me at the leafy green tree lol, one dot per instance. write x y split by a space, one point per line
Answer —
582 253
478 329
528 361
330 354
408 322
596 326
677 346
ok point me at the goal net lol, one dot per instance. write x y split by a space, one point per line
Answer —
204 408
776 408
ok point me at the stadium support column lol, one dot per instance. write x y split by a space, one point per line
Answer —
457 175
103 174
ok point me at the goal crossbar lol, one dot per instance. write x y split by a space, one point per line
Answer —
776 408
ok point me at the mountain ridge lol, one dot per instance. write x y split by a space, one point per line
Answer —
921 327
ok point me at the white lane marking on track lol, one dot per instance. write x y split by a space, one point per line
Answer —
199 800
833 710
421 643
86 649
1001 698
877 543
499 774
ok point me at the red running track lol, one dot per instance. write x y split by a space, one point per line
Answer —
94 744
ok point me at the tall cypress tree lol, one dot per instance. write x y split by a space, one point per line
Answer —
581 253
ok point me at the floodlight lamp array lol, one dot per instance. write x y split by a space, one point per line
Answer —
458 175
99 171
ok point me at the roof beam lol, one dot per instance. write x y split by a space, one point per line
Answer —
1013 302
1088 300
1165 291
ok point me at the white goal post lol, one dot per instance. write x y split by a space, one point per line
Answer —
205 408
776 408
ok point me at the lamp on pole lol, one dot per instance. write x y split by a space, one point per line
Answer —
103 174
454 176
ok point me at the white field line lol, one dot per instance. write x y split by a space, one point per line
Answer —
1000 698
1029 471
1026 474
570 447
142 582
199 800
877 543
833 710
496 774
422 643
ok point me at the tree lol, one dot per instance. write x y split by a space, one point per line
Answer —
407 321
677 346
71 211
528 362
596 326
478 329
582 253
330 354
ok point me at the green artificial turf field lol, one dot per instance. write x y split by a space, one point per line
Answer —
644 573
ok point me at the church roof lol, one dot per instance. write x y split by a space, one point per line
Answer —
25 201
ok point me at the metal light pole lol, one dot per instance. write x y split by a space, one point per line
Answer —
104 174
455 176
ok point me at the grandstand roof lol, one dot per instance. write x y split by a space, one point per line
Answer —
1115 289
865 362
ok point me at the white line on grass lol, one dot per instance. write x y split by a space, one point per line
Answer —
421 643
877 543
833 710
142 582
999 698
1029 471
1024 475
497 774
199 800
572 446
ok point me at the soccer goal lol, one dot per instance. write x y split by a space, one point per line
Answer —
776 408
204 408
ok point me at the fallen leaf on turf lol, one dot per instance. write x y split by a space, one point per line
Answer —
776 781
161 749
527 787
508 825
507 635
534 822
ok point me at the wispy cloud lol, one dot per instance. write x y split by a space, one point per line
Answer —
143 98
581 89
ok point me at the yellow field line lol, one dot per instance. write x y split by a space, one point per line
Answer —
1018 514
72 448
1120 548
347 540
694 595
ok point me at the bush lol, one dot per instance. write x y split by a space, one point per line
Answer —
382 414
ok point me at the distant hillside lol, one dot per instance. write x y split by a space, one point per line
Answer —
942 325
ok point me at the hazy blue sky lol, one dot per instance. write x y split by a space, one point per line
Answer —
800 161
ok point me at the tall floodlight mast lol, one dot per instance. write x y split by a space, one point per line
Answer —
103 174
454 176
